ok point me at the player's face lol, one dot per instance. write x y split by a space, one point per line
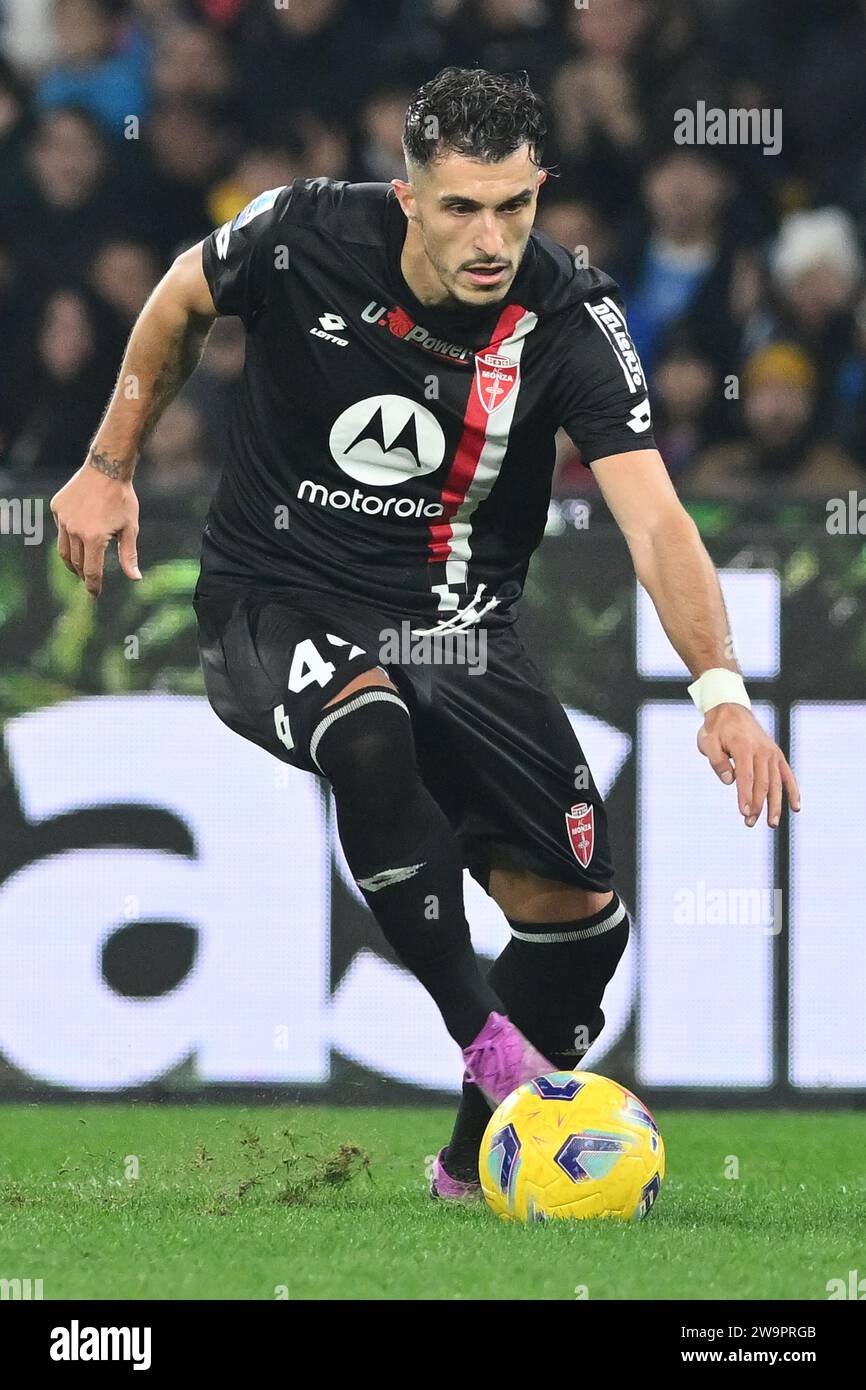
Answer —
469 222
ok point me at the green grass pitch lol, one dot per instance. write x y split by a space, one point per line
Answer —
302 1202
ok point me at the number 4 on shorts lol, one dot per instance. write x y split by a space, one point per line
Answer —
281 724
307 666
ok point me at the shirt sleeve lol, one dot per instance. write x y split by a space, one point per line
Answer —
602 399
240 257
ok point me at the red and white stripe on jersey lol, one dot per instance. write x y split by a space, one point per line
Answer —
477 460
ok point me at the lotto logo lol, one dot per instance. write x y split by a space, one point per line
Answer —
331 324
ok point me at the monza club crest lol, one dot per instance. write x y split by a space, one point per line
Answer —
495 378
581 832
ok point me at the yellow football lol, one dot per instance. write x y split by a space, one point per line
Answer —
571 1144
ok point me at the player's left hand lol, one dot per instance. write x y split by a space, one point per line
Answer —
738 748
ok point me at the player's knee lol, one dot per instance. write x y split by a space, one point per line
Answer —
376 677
552 977
364 745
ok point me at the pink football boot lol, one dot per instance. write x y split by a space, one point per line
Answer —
500 1059
443 1185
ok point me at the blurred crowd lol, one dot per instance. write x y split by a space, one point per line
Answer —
131 128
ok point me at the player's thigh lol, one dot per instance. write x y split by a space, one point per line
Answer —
271 667
524 896
528 786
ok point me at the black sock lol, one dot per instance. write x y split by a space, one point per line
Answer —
552 991
403 853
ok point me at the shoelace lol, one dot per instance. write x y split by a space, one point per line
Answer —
505 1065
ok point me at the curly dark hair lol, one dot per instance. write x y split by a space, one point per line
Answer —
469 111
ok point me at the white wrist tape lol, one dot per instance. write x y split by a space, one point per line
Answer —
719 687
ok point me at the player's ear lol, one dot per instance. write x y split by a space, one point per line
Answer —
405 196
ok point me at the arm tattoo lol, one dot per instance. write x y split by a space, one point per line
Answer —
181 358
120 469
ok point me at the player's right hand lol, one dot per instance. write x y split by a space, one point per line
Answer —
88 511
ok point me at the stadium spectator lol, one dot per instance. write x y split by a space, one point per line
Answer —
748 305
816 266
322 56
192 62
780 452
580 226
809 59
123 273
595 94
678 268
27 33
685 400
501 35
256 169
323 144
176 463
380 150
189 147
14 115
102 63
628 65
847 405
61 385
17 316
64 199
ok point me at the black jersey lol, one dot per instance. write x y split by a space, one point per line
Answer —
398 454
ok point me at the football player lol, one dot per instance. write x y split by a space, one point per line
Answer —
412 349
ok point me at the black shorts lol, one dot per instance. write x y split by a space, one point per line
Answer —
494 745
